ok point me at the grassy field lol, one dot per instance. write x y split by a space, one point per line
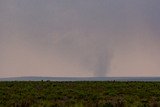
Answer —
79 94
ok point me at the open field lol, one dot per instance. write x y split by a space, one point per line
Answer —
79 94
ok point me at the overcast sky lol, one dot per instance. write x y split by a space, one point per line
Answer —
79 38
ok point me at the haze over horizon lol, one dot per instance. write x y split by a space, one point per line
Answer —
79 38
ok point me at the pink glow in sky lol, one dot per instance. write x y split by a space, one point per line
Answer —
79 38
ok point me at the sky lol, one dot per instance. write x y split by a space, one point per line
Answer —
79 38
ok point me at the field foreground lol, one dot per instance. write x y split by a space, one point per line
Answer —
79 94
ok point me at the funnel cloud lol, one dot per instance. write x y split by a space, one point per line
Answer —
79 38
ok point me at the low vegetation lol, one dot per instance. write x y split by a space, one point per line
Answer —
79 94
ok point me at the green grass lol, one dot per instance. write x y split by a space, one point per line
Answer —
79 94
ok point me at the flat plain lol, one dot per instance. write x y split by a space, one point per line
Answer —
79 94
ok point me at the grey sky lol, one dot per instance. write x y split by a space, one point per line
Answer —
79 38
